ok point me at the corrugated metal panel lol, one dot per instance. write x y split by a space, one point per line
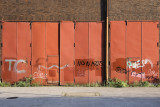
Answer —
117 50
9 51
150 51
52 52
23 50
133 51
66 52
95 52
82 53
38 52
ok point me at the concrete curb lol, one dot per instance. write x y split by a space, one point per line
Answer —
81 94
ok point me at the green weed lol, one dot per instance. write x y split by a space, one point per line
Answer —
116 83
5 84
26 82
84 85
142 84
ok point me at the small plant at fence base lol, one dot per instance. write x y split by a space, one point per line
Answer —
158 85
85 85
5 84
142 84
110 83
27 82
116 83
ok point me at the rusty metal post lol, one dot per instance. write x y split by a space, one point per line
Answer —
107 42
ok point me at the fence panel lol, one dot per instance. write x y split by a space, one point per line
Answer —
150 51
133 51
9 51
38 52
95 52
117 50
52 53
66 52
82 53
23 67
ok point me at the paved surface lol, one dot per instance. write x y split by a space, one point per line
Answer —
54 97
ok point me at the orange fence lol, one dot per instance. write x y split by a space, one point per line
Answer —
134 51
53 53
73 52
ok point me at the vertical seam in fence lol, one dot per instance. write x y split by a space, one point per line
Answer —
88 51
45 53
2 52
59 50
74 52
16 45
32 52
126 52
31 47
141 48
158 51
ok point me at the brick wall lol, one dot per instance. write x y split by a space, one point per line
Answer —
134 10
51 10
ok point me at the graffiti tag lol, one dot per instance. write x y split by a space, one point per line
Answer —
89 63
152 74
121 70
41 66
139 75
137 64
40 74
15 65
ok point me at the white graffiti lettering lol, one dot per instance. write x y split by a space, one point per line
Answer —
40 74
152 73
15 65
41 66
139 75
137 64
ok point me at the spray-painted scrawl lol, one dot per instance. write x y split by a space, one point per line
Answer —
137 64
41 66
140 64
15 65
139 75
40 74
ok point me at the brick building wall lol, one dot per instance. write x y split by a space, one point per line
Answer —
51 10
134 9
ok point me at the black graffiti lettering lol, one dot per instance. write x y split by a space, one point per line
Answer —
101 63
121 70
92 63
82 63
89 63
78 64
97 63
